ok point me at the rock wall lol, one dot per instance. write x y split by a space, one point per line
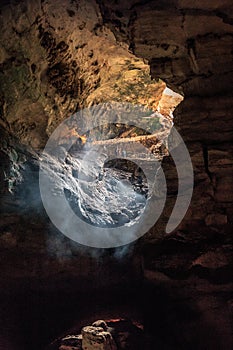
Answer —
189 45
57 57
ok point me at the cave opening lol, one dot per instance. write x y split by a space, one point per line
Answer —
106 184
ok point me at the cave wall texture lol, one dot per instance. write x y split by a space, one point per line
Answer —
59 56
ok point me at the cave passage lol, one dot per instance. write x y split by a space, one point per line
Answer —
106 185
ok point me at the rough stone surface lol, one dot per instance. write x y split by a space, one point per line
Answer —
189 45
56 57
71 342
97 338
125 334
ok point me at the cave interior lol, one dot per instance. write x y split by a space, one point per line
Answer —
167 289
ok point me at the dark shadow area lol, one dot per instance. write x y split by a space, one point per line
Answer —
169 320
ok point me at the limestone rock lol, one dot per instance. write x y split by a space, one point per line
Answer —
193 54
49 70
71 342
100 323
216 219
213 259
96 338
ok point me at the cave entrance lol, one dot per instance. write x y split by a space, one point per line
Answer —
107 160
